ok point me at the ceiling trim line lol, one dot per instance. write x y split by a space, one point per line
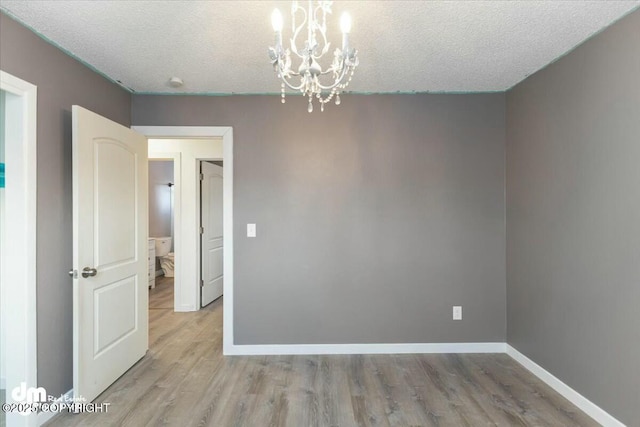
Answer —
65 51
553 61
298 94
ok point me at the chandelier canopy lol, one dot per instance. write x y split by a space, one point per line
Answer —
310 78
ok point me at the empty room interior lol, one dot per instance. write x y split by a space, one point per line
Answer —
348 213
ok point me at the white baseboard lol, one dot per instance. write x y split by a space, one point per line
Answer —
43 417
570 394
480 347
587 406
590 408
159 273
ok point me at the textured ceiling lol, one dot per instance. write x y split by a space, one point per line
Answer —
404 46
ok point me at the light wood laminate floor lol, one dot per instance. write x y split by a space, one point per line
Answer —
185 381
162 295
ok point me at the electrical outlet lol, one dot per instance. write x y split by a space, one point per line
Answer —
251 230
457 312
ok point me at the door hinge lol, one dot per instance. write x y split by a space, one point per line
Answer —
201 283
201 177
201 230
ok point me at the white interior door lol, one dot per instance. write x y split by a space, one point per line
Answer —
212 235
110 298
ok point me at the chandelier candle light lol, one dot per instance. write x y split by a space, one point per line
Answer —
310 73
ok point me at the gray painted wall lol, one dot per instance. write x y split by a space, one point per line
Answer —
573 218
62 82
374 218
160 198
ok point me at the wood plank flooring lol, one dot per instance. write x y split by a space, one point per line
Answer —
162 295
185 381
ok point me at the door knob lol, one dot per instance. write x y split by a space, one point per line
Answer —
89 272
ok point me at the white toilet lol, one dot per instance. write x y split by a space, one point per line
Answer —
163 246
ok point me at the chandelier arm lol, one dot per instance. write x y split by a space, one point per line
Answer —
290 86
327 71
310 29
322 29
296 33
326 48
292 73
338 81
283 70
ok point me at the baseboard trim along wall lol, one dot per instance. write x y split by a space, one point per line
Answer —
480 347
587 406
590 408
44 417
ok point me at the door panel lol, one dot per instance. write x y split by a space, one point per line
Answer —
110 318
115 203
212 237
214 259
121 323
115 197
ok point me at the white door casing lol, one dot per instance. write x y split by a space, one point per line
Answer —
165 145
212 232
18 301
110 227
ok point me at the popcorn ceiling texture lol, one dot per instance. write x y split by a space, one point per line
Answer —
405 46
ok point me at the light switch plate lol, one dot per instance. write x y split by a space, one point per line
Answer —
251 230
457 312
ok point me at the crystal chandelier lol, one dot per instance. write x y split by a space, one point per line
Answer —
310 79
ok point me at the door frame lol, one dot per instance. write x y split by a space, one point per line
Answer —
226 134
19 266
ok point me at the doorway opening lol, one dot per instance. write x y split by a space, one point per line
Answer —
161 234
164 268
191 145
